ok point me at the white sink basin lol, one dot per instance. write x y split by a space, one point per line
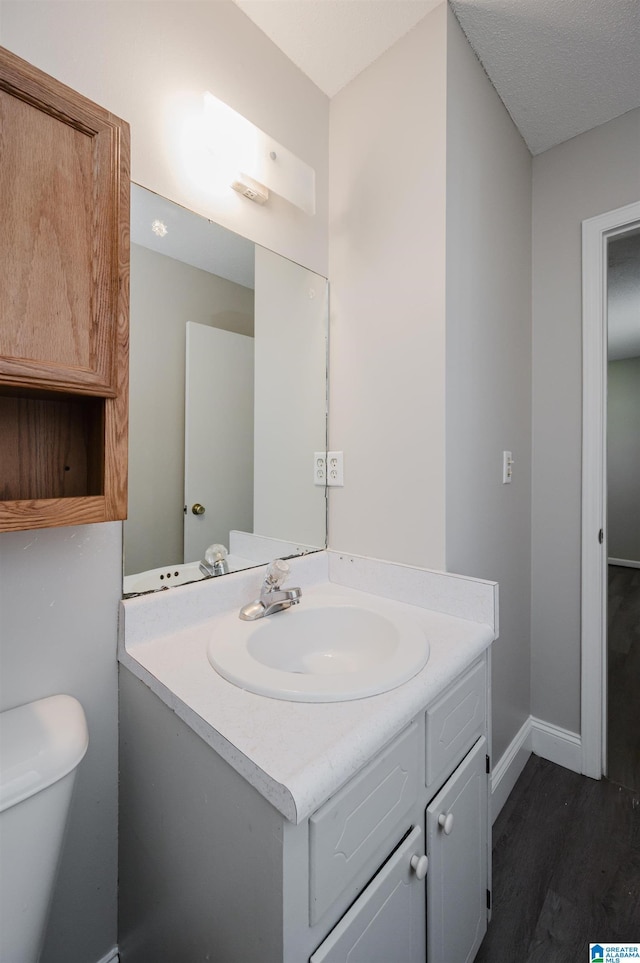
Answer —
321 650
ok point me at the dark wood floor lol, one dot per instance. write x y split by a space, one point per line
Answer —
623 683
566 868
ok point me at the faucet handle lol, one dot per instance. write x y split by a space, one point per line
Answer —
215 561
215 553
277 572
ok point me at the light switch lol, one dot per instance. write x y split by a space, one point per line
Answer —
507 467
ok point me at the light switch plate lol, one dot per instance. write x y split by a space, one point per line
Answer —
507 467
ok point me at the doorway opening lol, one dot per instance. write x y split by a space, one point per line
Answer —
623 509
600 236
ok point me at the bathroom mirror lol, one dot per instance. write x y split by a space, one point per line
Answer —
228 385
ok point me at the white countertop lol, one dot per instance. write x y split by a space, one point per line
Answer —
295 754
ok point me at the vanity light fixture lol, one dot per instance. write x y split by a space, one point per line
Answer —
255 163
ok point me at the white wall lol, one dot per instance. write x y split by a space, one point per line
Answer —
425 162
149 63
387 270
588 175
290 418
488 365
165 294
623 459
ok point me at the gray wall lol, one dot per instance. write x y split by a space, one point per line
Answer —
177 904
58 622
586 176
623 459
59 597
488 368
165 294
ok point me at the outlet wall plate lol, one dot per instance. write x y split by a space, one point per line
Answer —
335 469
320 468
328 468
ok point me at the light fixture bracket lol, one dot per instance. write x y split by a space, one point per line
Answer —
251 189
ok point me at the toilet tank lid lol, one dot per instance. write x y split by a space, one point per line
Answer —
40 743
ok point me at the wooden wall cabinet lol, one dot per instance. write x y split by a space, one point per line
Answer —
64 304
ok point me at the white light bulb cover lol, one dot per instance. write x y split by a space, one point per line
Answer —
246 150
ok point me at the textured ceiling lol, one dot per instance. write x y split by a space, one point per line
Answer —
560 66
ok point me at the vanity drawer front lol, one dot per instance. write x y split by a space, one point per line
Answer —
354 831
454 722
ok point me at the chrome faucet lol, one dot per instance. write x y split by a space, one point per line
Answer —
215 561
273 598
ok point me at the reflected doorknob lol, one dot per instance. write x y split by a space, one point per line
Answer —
198 509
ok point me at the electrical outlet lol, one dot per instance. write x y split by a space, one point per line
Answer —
335 469
320 468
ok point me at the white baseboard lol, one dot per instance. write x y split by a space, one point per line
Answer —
506 771
111 957
625 562
544 739
556 744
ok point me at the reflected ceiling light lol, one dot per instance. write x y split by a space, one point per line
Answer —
160 228
254 162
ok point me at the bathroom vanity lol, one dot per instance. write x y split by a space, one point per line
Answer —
258 829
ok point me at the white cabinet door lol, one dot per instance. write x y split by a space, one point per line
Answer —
458 872
387 922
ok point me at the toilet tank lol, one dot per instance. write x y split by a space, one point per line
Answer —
41 745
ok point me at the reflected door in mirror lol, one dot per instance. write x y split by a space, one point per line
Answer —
218 437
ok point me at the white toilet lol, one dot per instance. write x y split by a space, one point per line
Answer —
41 745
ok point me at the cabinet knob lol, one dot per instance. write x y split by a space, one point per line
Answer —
420 864
198 509
446 821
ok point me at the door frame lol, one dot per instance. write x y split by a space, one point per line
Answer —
596 231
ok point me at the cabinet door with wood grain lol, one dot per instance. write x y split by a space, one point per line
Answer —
64 238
